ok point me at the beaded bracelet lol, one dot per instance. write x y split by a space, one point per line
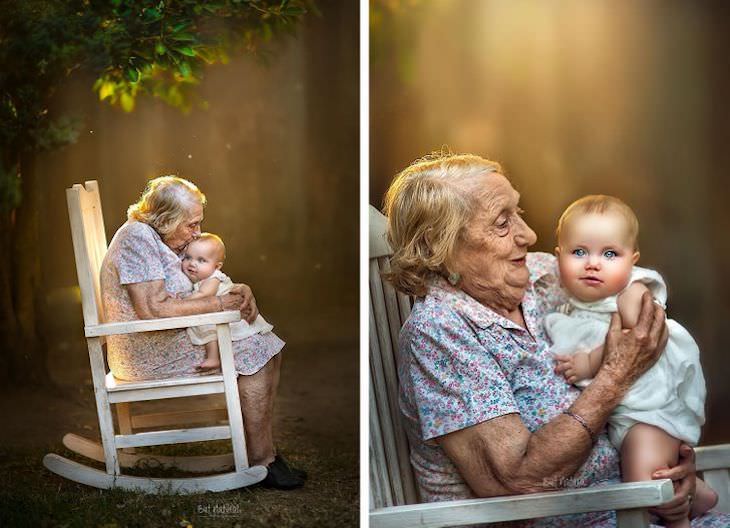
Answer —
584 424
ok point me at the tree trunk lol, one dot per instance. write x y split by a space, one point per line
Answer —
29 356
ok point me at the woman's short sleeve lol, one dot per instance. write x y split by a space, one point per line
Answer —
456 381
138 258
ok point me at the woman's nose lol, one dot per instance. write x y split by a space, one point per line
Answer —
525 236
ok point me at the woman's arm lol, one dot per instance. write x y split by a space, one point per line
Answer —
500 456
208 288
151 301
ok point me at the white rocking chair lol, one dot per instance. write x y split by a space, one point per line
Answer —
394 494
116 450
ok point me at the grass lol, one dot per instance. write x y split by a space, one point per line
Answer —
31 496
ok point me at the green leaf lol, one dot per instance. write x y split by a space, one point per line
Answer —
160 48
186 50
127 102
183 37
184 69
106 90
132 74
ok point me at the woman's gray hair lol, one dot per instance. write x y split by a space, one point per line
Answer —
165 203
428 206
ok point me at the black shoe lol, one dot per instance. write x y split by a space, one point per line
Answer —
295 471
280 476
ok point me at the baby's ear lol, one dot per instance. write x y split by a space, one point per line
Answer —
219 265
635 258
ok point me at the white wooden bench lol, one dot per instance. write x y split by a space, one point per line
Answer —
394 496
116 450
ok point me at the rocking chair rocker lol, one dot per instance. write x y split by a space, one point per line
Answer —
116 450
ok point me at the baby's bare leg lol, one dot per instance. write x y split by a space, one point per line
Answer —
645 449
705 498
212 358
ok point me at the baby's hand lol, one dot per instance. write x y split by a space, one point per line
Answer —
573 368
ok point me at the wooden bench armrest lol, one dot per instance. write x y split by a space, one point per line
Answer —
167 323
713 457
626 496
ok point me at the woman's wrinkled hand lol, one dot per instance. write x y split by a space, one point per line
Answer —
630 353
247 302
684 477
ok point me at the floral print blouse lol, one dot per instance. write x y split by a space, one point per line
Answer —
461 364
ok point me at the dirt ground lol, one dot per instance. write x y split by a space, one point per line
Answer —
316 428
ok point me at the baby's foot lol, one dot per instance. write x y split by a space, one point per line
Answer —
209 364
705 499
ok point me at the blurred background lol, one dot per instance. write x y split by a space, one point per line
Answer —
575 98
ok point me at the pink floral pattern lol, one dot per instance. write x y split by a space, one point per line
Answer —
138 254
461 364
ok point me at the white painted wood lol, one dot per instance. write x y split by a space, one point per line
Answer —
158 393
385 299
637 518
233 401
380 396
103 407
174 436
143 421
712 457
115 385
719 480
168 323
380 490
464 512
192 464
98 479
124 422
378 223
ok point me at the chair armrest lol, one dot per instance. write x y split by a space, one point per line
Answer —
167 323
626 496
713 457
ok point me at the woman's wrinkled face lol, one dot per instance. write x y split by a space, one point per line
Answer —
187 231
491 254
596 255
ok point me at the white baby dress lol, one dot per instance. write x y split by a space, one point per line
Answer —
240 330
670 395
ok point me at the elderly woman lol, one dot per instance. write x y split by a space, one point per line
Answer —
141 278
485 411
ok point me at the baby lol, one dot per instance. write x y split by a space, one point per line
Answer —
597 252
202 262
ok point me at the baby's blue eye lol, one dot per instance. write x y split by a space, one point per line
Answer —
610 254
580 252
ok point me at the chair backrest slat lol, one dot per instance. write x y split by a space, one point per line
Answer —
89 241
388 311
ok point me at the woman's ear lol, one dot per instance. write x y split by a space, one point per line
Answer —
635 258
557 251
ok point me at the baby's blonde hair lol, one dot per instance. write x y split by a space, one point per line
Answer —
601 204
217 242
164 203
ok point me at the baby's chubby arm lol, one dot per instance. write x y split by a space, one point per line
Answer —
629 304
580 366
208 288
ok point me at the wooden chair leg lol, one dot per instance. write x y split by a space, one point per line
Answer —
233 400
637 518
103 407
124 420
